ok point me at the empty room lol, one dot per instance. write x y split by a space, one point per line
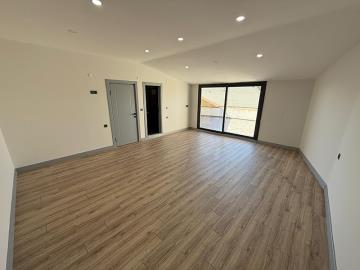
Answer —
180 135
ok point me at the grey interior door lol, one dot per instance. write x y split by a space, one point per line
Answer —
123 113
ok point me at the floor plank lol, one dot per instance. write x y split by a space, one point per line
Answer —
190 200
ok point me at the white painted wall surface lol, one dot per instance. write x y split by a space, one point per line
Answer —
6 186
284 113
47 112
194 105
333 127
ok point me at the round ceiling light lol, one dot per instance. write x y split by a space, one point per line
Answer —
97 3
147 51
187 67
240 18
259 55
180 39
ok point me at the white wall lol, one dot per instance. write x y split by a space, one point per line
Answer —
47 112
284 113
6 186
333 127
194 90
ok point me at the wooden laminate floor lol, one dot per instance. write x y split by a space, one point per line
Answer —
190 200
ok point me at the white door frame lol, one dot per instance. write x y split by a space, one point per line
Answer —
134 83
160 105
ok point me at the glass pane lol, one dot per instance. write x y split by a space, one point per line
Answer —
241 110
212 108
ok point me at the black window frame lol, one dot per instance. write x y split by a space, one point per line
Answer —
262 84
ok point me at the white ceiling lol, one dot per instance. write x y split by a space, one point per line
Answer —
298 38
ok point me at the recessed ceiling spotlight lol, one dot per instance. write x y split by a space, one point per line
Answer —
240 18
97 3
259 55
187 67
147 51
181 39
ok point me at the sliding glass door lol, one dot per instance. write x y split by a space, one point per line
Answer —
241 110
212 108
231 108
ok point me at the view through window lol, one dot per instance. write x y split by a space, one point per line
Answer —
232 108
212 108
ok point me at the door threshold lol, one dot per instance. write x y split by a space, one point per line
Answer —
154 135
